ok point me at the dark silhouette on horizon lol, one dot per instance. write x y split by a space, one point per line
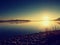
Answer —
14 21
58 19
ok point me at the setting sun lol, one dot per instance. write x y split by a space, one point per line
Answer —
45 21
46 18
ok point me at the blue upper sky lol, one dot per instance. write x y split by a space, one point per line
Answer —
26 8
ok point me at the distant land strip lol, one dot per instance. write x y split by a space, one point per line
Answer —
14 21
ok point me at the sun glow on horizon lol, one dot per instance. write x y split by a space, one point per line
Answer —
46 18
46 21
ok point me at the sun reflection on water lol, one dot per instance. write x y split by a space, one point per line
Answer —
45 23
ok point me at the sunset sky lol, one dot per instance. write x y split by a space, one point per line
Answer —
29 9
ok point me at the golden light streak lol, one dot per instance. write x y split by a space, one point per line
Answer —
46 21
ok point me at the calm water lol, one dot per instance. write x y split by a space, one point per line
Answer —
11 29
